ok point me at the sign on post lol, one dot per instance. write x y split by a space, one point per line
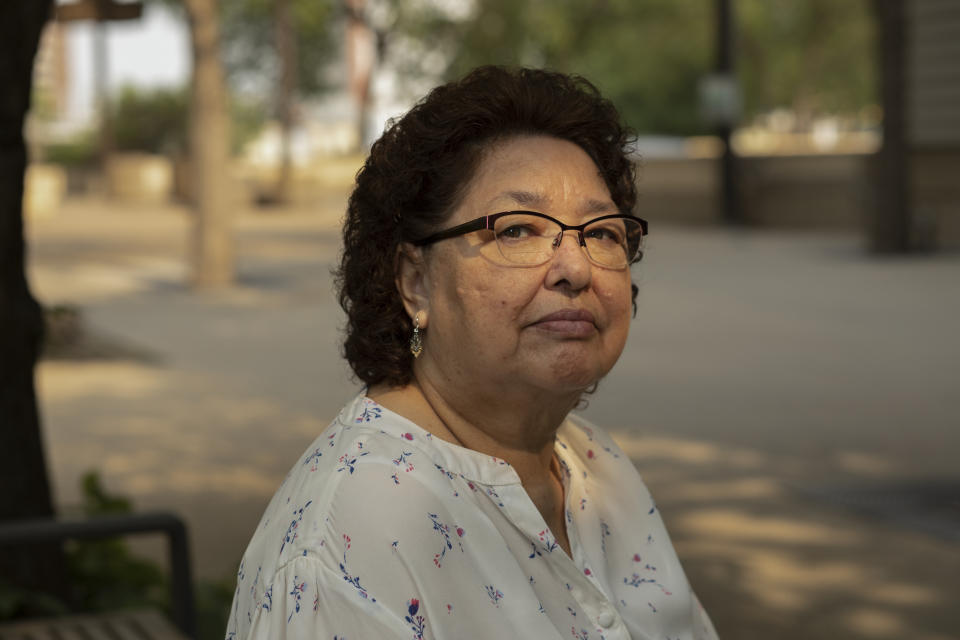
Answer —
720 103
99 10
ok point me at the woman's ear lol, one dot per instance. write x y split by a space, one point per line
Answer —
412 281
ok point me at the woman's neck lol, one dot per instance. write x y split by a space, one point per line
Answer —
521 435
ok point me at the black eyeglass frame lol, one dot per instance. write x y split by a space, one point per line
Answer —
486 222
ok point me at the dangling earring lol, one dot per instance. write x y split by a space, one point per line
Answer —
416 341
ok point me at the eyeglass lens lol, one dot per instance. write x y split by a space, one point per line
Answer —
532 240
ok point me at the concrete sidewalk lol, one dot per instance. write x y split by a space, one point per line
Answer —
773 381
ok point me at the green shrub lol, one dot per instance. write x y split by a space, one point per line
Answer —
105 576
79 152
151 120
103 573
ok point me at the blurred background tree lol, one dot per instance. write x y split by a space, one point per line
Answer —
213 249
812 56
249 44
279 50
157 121
645 56
151 120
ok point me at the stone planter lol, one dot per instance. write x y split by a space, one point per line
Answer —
45 185
139 178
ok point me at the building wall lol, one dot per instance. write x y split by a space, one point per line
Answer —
934 186
802 192
932 103
932 35
50 70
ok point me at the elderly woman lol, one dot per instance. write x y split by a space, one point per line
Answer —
486 280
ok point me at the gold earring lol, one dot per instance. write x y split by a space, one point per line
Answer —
416 341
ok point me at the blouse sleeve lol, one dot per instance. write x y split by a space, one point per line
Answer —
386 559
306 602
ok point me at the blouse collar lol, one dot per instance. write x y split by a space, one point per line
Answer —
448 457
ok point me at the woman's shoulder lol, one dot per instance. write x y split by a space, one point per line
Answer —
588 451
360 501
362 472
362 435
587 440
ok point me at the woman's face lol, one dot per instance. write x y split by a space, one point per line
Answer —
557 327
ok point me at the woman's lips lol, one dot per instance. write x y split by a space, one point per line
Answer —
573 323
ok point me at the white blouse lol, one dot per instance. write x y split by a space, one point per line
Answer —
381 530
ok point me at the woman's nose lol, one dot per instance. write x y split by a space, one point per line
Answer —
570 265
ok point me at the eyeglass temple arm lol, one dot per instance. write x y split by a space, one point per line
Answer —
459 230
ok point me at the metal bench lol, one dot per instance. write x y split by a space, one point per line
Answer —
120 625
140 624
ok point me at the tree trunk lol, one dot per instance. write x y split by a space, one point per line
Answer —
209 150
361 59
101 81
285 41
24 489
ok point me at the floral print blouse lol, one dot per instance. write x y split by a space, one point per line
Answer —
382 531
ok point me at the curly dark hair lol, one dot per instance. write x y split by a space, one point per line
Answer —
418 171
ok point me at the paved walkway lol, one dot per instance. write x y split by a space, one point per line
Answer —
772 380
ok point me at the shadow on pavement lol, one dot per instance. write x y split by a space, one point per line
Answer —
768 560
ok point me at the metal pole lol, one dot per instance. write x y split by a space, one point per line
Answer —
729 197
890 231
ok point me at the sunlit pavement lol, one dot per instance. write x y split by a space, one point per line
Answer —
791 402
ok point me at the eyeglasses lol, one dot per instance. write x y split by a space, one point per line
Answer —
530 238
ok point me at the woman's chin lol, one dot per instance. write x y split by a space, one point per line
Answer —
570 369
570 377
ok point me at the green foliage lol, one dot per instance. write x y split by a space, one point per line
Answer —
214 598
649 55
645 56
815 56
248 42
17 603
151 120
104 574
247 118
157 121
79 152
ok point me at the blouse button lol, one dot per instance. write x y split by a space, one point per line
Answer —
606 618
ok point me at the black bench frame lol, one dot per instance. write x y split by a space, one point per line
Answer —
181 581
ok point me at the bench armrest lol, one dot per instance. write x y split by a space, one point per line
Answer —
181 582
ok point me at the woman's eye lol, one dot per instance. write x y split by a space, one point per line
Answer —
516 231
604 235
